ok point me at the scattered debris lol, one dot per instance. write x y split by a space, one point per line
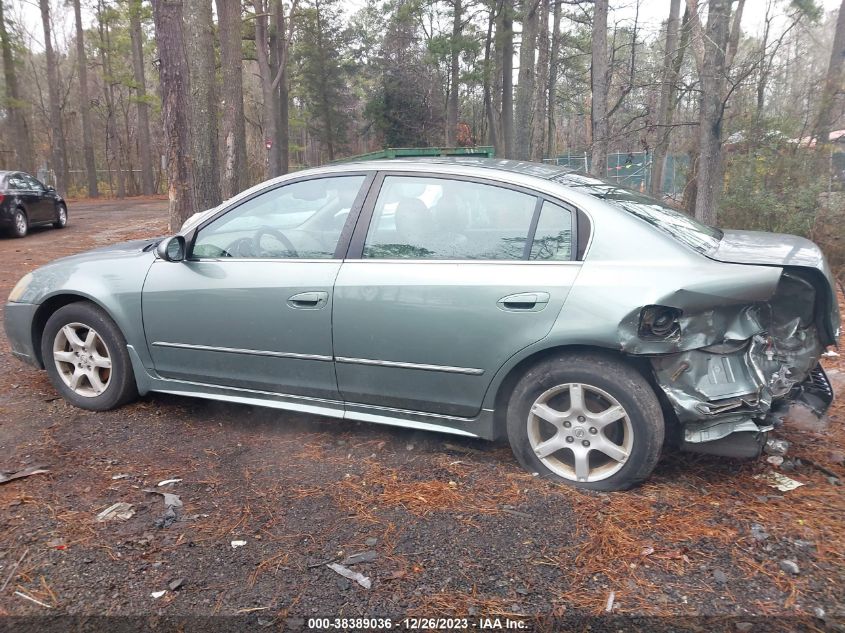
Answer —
120 476
778 481
31 599
26 472
360 557
176 584
370 542
647 551
14 569
120 510
237 544
790 566
758 532
167 482
361 579
743 627
167 519
610 599
158 594
830 354
775 446
819 613
775 460
57 543
170 499
720 577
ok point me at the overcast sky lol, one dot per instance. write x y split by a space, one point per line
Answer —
651 15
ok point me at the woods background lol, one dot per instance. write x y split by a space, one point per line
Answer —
735 108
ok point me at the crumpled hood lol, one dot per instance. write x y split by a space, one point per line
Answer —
787 251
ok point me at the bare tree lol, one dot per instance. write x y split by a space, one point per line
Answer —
554 62
672 58
142 108
454 73
84 104
15 106
493 119
525 87
714 49
58 148
504 37
541 84
599 79
833 82
113 150
173 85
233 130
201 68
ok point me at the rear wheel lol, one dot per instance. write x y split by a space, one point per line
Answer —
586 420
61 217
20 223
86 358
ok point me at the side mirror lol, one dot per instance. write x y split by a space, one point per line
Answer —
172 249
51 189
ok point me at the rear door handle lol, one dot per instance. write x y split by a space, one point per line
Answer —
313 300
524 302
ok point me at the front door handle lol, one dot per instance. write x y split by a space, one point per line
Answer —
313 300
524 302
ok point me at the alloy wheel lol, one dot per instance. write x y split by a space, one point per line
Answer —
580 432
82 359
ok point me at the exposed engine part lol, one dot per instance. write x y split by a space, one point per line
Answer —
659 323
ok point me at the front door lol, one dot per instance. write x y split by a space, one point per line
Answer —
251 307
453 278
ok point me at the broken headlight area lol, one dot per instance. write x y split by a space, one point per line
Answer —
754 363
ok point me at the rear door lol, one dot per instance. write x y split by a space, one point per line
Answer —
251 307
43 209
445 280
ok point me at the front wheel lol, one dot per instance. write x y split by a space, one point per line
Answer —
586 420
61 217
85 356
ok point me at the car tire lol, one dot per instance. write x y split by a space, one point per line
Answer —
61 216
20 223
86 358
567 410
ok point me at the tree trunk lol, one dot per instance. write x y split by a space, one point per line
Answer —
525 87
269 113
832 84
506 35
454 75
13 103
599 77
201 61
57 141
711 110
551 133
173 85
85 104
541 86
113 154
489 110
667 105
284 33
145 154
234 168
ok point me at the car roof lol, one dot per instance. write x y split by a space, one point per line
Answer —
538 170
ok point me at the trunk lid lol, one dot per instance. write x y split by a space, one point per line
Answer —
787 251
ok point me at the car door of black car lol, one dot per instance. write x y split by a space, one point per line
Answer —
29 199
42 203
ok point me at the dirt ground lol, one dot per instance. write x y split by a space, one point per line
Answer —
449 526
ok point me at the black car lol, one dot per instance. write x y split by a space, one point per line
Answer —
25 201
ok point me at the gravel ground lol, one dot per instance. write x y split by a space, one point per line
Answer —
446 526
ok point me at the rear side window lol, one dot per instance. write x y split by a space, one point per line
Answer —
437 218
553 237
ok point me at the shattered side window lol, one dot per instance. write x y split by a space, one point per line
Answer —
680 226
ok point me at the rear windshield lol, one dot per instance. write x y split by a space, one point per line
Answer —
680 226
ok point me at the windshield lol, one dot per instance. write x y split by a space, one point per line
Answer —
680 226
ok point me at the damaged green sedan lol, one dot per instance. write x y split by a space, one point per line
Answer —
587 324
